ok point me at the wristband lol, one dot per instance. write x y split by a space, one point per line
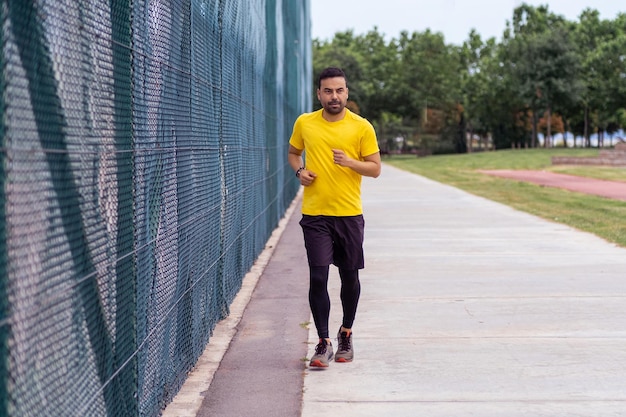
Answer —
299 171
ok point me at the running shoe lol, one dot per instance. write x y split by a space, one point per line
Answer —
345 353
323 354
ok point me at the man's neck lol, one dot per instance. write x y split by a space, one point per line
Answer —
333 117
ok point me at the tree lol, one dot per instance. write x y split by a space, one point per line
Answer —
601 51
418 88
379 69
544 64
487 98
428 77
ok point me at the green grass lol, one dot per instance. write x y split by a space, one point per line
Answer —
603 217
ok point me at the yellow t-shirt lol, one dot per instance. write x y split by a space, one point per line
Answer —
337 190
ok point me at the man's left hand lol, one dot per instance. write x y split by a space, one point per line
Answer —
340 157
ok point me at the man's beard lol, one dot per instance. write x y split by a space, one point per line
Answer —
334 110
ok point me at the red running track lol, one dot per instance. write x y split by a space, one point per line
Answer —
610 189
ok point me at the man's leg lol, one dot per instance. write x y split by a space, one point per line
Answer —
350 293
319 300
348 256
318 242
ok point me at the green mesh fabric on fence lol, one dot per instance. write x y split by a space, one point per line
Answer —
143 169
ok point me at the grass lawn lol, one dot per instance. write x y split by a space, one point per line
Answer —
604 217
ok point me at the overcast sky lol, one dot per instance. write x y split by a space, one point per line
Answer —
453 18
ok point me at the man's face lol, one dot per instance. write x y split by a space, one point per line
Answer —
333 94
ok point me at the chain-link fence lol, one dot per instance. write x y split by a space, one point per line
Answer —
143 169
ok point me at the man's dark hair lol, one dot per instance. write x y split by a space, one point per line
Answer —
331 72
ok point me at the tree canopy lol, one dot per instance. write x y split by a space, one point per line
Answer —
546 75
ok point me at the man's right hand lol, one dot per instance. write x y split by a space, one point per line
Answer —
307 177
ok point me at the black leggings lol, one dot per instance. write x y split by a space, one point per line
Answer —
319 299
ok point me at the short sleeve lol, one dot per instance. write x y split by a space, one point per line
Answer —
369 144
296 139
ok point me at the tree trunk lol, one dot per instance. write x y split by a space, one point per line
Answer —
586 129
534 133
600 138
549 131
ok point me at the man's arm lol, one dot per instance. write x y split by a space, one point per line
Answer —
294 157
369 167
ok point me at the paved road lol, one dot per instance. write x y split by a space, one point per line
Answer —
468 308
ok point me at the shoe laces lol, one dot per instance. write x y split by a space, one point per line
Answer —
320 349
344 341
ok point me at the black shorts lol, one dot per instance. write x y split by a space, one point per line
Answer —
334 240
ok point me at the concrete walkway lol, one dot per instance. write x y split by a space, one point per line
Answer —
468 308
